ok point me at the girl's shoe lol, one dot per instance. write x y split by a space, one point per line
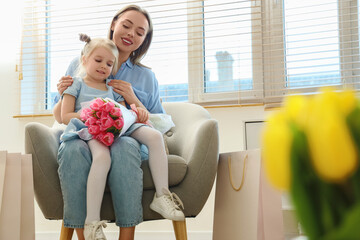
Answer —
168 206
94 231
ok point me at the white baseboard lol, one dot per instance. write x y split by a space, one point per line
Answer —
141 235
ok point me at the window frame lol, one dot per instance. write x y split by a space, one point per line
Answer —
197 92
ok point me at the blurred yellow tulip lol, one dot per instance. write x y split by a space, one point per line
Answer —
332 148
276 146
297 108
348 101
330 122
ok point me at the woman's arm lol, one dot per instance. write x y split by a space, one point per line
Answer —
125 89
68 109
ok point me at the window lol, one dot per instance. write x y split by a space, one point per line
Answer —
227 43
312 49
169 52
309 44
208 52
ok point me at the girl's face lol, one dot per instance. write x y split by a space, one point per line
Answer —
130 31
99 64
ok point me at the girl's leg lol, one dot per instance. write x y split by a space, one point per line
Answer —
97 179
95 190
158 162
127 233
164 202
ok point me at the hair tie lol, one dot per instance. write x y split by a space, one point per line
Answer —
84 38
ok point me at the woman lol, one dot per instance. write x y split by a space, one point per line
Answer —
131 31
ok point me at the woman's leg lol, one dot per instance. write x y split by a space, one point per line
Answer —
74 160
158 162
126 181
97 179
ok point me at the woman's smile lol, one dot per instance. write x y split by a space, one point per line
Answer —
126 41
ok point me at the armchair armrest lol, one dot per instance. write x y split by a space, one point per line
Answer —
44 156
195 137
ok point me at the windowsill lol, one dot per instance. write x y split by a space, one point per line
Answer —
33 115
231 105
206 106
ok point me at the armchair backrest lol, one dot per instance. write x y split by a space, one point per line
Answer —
187 118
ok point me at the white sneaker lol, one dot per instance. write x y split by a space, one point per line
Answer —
94 231
168 206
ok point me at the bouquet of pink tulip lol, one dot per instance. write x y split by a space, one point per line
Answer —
104 120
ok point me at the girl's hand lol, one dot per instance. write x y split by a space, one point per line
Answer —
124 89
143 115
64 83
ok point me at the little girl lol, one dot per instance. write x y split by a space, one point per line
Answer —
98 61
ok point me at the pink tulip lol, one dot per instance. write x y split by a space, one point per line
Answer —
94 129
119 123
85 113
106 122
91 121
116 112
108 106
99 136
107 139
98 114
104 114
97 104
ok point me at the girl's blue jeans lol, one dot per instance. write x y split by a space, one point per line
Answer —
125 180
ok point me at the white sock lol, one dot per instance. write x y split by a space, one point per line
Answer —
158 161
99 169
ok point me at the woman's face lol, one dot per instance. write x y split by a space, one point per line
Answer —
130 31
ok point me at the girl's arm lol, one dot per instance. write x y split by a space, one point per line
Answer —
63 84
142 113
68 109
57 111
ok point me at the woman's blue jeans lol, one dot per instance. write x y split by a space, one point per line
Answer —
125 180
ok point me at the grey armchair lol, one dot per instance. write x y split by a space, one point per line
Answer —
193 154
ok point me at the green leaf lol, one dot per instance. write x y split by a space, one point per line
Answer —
349 228
304 187
353 121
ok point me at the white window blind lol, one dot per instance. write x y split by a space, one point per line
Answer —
207 52
309 44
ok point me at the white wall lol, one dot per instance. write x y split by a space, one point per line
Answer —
12 129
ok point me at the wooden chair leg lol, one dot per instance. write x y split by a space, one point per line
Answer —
180 230
66 233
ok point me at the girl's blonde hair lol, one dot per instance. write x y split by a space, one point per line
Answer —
139 53
91 45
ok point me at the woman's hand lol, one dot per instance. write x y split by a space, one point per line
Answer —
143 115
125 89
64 83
